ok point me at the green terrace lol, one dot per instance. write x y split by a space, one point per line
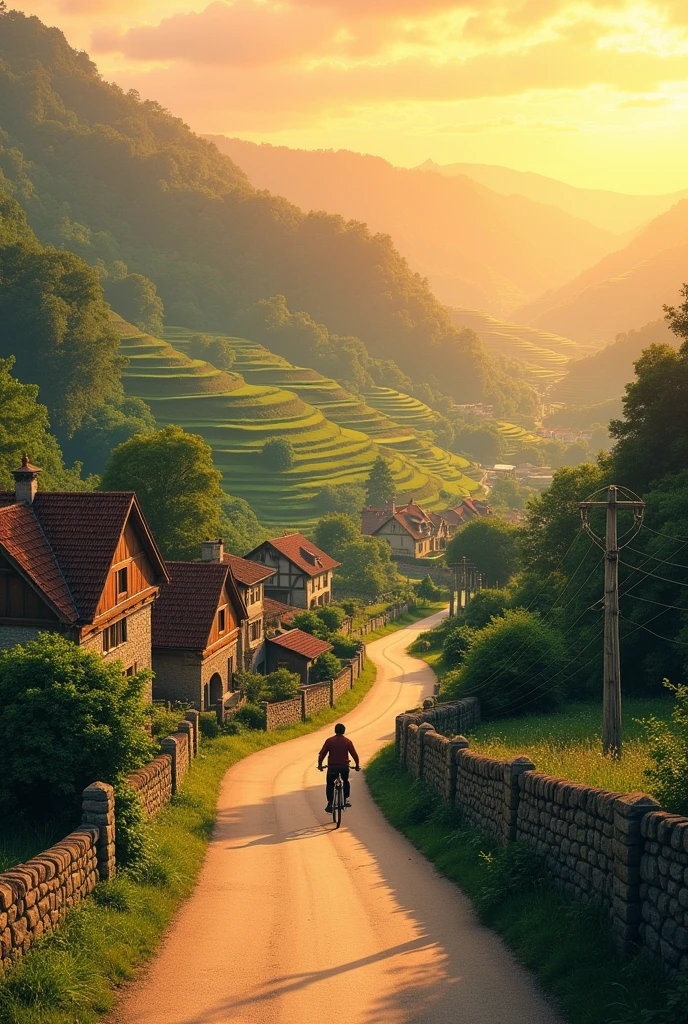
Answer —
516 437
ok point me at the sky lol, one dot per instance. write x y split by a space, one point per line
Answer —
593 93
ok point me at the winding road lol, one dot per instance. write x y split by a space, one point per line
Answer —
293 922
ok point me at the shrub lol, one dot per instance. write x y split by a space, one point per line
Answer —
343 646
209 725
668 746
456 644
232 727
68 718
505 684
132 831
163 720
251 685
217 351
252 716
310 622
351 607
427 589
331 616
281 685
485 605
327 666
517 868
278 454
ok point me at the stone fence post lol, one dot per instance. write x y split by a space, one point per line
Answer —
194 717
98 811
187 728
423 728
628 846
512 770
169 746
455 745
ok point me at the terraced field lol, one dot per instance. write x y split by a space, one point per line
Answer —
237 412
544 356
516 437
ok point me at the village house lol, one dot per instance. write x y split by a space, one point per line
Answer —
197 627
296 651
409 531
303 573
459 515
250 578
83 564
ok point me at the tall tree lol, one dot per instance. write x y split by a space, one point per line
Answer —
381 487
173 475
491 544
334 531
136 298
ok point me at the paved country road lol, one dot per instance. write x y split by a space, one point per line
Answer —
293 922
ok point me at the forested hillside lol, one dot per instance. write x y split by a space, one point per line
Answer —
113 178
478 248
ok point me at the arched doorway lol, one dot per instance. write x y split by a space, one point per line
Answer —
215 688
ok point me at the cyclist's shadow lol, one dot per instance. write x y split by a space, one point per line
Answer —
289 837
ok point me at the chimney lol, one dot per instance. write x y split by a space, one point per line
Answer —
26 481
212 550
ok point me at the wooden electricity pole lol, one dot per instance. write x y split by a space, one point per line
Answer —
611 687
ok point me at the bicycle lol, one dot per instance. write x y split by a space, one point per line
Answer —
338 801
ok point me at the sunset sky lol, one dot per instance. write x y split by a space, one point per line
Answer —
594 93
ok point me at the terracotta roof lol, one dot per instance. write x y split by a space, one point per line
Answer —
302 552
183 615
373 518
26 547
277 611
248 573
301 643
453 516
82 529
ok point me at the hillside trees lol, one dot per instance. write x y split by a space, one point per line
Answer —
217 351
187 218
381 488
135 298
491 544
278 454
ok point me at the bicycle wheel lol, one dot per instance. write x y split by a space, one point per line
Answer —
337 804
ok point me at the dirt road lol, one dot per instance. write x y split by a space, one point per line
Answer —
293 922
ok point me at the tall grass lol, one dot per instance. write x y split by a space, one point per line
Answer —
569 743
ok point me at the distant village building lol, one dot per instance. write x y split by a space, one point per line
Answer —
475 409
459 515
302 572
197 635
83 564
501 471
409 531
296 651
569 435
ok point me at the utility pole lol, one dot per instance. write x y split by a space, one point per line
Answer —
611 685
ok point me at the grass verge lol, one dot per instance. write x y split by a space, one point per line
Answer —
419 612
71 977
569 946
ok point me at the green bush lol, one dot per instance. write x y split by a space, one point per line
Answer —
217 351
331 616
485 605
232 727
251 685
281 685
427 589
164 721
327 666
343 646
209 725
310 622
252 716
456 644
668 746
132 830
351 607
68 718
505 684
278 454
517 868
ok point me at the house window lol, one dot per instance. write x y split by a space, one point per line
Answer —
122 582
132 670
256 630
114 636
222 620
254 595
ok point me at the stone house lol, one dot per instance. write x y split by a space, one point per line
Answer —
83 564
197 627
296 651
303 573
250 578
409 531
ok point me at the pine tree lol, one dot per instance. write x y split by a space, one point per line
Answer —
381 489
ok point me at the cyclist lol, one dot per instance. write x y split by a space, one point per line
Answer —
337 749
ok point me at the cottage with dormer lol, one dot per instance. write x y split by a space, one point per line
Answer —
197 626
82 563
303 574
408 529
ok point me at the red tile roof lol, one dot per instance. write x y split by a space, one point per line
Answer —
184 613
373 518
277 611
248 573
307 646
302 552
25 545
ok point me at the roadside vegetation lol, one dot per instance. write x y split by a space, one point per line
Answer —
568 946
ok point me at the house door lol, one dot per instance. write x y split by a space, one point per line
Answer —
215 688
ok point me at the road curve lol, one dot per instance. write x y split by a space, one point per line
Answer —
293 922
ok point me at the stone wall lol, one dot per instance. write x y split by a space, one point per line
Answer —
34 897
137 651
343 682
177 746
451 719
378 621
284 712
316 697
617 849
153 783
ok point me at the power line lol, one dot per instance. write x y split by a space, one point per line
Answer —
668 639
661 604
667 536
665 579
656 558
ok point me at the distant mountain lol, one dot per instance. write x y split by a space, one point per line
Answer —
114 178
604 376
624 289
477 248
614 211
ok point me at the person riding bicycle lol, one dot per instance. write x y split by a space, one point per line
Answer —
337 749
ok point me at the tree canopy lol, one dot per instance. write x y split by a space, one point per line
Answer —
335 531
381 488
174 478
491 544
136 298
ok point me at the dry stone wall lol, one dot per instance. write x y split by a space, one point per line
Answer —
378 621
284 712
316 697
153 783
34 897
617 849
